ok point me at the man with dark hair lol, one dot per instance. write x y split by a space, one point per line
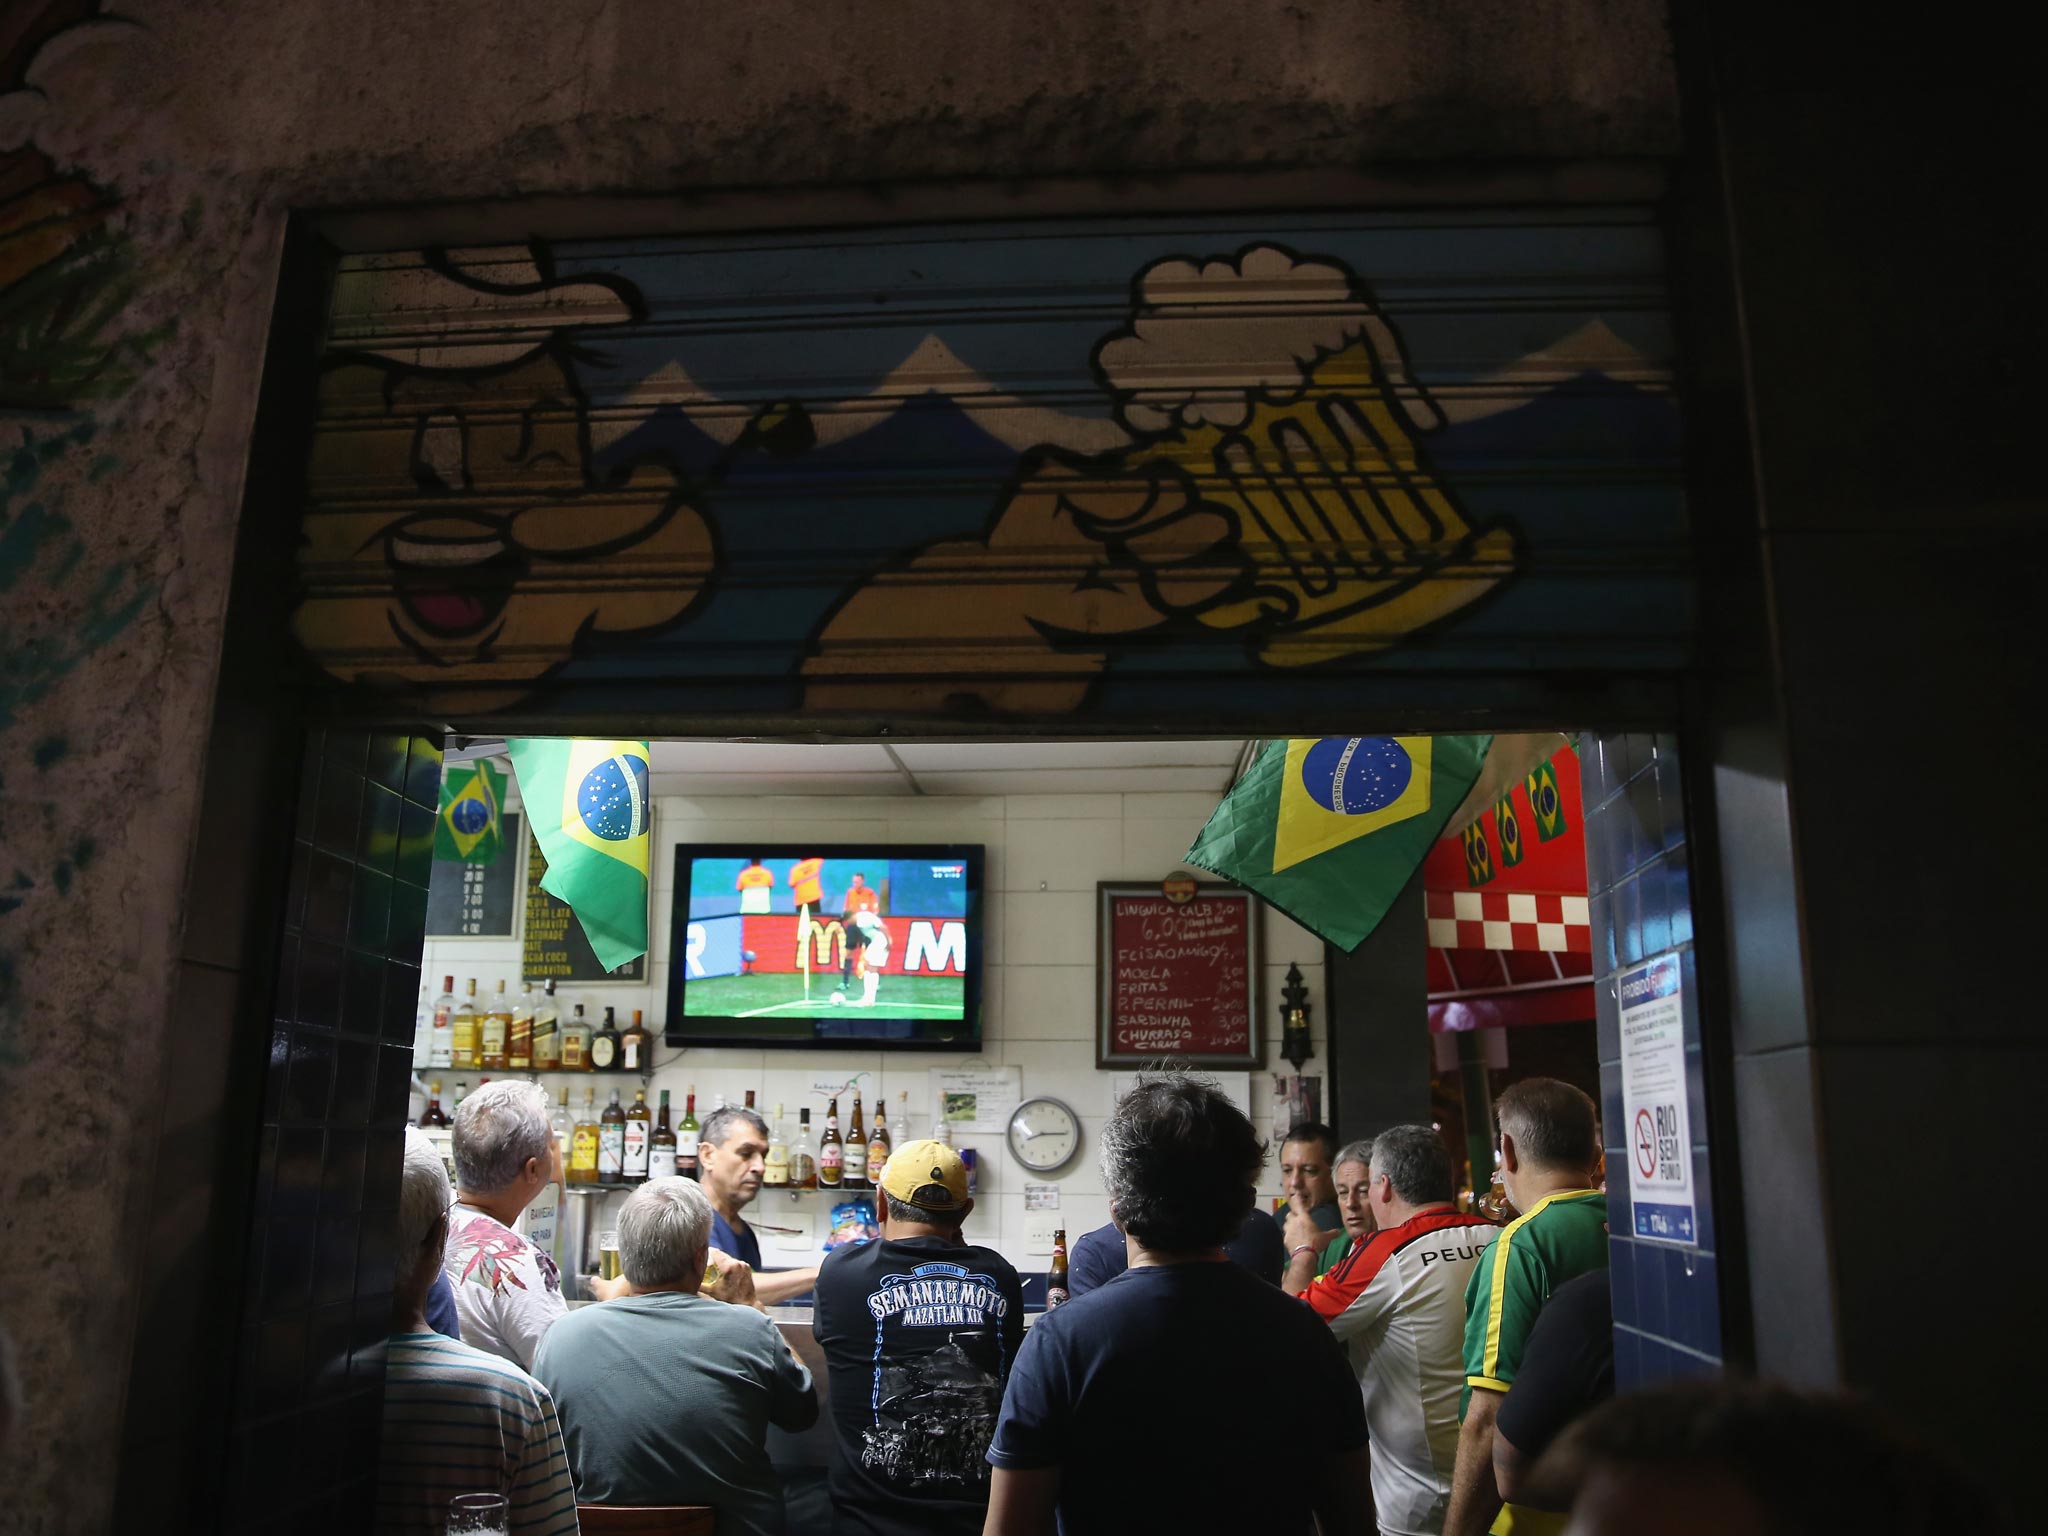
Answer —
919 1331
1397 1302
732 1154
1308 1156
1100 1256
1549 1147
1115 1393
1711 1457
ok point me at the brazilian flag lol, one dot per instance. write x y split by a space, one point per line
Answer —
472 802
1478 856
1546 802
1330 829
1509 828
588 804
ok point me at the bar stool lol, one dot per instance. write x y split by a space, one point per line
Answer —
647 1519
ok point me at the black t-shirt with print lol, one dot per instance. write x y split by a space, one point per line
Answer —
918 1335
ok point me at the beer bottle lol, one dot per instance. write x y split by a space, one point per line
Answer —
661 1151
775 1166
441 1034
899 1133
636 1047
519 1041
856 1166
803 1159
1056 1293
576 1042
687 1135
547 1031
878 1150
434 1121
637 1132
583 1142
611 1143
463 1029
604 1045
831 1154
496 1027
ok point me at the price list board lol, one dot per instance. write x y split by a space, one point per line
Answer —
554 943
1177 980
475 901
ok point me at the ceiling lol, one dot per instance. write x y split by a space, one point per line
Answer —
939 768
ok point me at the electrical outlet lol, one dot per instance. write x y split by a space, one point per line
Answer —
1039 1227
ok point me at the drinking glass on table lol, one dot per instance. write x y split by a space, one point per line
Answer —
608 1255
479 1514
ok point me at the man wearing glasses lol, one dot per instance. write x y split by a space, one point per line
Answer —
1396 1302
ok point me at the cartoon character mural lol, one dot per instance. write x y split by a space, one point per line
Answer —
539 471
1273 490
457 506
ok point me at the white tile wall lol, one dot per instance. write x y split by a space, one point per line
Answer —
1045 855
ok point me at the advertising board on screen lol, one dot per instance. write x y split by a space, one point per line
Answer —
826 944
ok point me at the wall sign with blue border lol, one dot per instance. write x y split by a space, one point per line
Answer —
1658 1140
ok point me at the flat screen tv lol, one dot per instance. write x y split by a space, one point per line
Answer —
827 945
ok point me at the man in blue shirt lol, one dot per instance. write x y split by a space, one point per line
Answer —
731 1156
1135 1377
1100 1256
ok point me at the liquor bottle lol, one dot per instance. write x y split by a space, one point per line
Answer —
855 1175
877 1150
661 1151
1056 1293
441 1033
583 1143
461 1093
576 1042
463 1029
547 1032
497 1026
564 1127
775 1166
750 1099
611 1143
435 1123
803 1158
638 1130
636 1047
831 1153
942 1130
687 1137
519 1041
899 1131
604 1045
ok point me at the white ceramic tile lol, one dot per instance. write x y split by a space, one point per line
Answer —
1189 807
1065 855
1285 940
1153 849
1063 807
1049 1002
1049 927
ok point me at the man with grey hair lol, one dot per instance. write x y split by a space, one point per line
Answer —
457 1420
666 1395
508 1292
1396 1302
1307 1255
732 1157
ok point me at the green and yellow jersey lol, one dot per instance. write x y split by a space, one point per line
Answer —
1560 1237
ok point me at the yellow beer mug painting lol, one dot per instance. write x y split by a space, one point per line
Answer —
1048 469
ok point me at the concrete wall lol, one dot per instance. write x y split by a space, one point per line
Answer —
187 132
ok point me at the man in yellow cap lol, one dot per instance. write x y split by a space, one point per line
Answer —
918 1329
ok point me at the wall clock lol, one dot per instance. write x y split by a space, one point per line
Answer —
1044 1135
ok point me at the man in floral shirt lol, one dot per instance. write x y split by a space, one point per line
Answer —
507 1291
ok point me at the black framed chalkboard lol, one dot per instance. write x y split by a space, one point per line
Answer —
477 901
554 942
1178 979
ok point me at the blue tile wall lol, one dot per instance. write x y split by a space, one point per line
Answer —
316 1307
1667 1300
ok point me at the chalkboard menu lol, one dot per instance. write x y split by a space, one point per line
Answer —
555 945
474 901
1177 979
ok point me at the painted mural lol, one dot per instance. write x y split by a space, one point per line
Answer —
1003 471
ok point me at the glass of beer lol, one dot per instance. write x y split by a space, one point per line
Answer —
479 1514
608 1254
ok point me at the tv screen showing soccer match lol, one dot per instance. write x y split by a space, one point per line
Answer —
826 945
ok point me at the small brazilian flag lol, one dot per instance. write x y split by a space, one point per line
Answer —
1478 857
588 805
1509 827
1546 802
1330 829
469 830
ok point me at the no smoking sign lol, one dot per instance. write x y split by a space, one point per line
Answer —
1653 1096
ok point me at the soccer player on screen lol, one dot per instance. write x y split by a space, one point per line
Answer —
860 897
756 886
873 955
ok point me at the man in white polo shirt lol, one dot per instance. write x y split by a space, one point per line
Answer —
1396 1301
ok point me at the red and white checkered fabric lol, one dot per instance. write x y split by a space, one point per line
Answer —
1509 920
